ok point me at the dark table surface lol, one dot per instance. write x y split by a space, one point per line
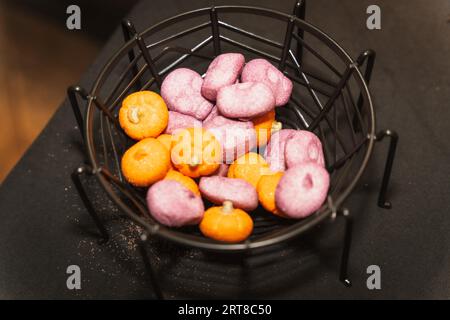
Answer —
45 228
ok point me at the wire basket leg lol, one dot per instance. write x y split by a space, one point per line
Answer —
343 272
87 203
72 93
382 202
149 267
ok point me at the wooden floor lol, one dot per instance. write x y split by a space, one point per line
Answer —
38 60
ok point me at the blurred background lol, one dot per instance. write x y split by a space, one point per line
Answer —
40 58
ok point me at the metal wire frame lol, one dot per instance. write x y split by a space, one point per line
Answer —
362 141
302 77
297 115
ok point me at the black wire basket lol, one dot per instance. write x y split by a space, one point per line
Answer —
330 98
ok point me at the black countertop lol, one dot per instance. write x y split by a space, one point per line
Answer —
45 228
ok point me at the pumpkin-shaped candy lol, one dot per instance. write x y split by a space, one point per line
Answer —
226 223
196 152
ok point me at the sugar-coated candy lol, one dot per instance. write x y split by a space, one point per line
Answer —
181 90
219 189
173 205
302 190
223 70
181 121
261 70
245 100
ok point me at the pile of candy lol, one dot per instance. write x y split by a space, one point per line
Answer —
202 137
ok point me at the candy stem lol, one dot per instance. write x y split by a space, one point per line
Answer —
195 161
276 126
227 206
134 114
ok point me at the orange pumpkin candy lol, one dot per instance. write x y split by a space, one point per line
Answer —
166 140
226 223
249 167
195 152
145 162
143 114
265 126
267 185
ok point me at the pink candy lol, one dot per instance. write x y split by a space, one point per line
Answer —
240 192
302 190
303 146
274 152
173 205
289 147
261 70
223 70
222 171
245 100
181 92
236 137
214 113
181 121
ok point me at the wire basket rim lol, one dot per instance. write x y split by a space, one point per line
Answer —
285 233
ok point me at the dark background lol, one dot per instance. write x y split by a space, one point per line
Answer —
39 58
99 17
45 227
